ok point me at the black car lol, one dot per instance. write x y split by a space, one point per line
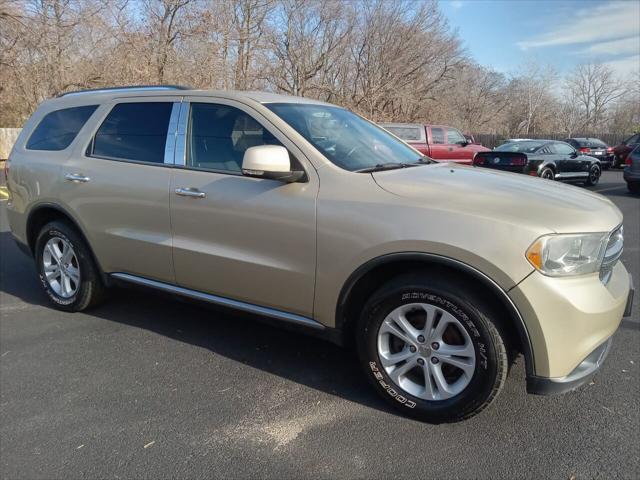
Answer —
548 159
594 147
632 171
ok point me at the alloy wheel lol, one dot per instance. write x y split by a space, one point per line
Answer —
61 267
426 351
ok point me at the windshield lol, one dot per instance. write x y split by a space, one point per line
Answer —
347 140
523 146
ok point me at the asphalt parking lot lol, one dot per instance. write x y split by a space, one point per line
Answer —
149 386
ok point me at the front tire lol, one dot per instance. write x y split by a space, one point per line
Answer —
432 348
66 268
594 176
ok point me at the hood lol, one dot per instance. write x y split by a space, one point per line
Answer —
511 197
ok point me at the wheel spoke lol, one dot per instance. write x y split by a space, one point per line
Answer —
63 284
67 253
431 314
406 327
466 366
53 253
466 351
390 359
442 326
428 384
438 377
74 274
400 371
391 328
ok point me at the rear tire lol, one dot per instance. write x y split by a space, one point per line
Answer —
594 176
634 188
466 364
66 268
547 173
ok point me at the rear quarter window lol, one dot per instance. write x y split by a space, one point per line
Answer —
408 134
57 130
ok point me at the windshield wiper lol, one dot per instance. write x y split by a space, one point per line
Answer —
385 166
424 161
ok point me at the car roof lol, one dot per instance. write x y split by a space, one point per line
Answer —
109 93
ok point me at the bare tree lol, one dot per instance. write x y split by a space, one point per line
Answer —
314 34
594 87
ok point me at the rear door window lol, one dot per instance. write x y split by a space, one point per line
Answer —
134 131
58 129
437 135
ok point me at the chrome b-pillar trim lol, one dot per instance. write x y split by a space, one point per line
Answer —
181 135
170 145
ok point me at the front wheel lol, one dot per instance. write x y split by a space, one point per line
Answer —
432 349
594 176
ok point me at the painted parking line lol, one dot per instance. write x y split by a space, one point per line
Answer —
609 189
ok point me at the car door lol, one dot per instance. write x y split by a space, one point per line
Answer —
116 185
438 144
246 239
459 153
569 159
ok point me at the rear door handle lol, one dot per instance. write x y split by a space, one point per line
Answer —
76 178
190 192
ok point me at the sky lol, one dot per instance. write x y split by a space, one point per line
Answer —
502 34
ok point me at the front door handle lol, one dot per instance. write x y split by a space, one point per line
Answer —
190 192
76 178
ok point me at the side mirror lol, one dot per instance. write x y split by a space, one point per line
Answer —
574 154
269 161
464 143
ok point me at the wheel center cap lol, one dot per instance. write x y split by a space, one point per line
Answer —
425 350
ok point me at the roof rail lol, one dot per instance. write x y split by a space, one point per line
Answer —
131 88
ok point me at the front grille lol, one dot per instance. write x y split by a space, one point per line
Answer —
612 254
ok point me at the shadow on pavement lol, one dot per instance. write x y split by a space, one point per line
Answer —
297 357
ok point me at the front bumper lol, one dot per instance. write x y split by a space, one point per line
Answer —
578 377
567 319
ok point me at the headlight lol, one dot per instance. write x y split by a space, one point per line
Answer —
564 255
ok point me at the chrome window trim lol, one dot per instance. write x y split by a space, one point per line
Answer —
170 144
223 301
180 155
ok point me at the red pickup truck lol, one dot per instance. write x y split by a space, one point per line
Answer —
439 142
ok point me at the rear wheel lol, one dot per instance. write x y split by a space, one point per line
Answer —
547 173
432 349
633 187
67 271
594 176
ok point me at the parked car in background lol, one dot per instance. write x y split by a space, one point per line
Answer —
439 142
594 147
547 159
620 152
632 171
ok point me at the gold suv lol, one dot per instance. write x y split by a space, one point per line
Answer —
311 216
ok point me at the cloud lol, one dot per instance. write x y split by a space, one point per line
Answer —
610 21
456 4
623 46
625 67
